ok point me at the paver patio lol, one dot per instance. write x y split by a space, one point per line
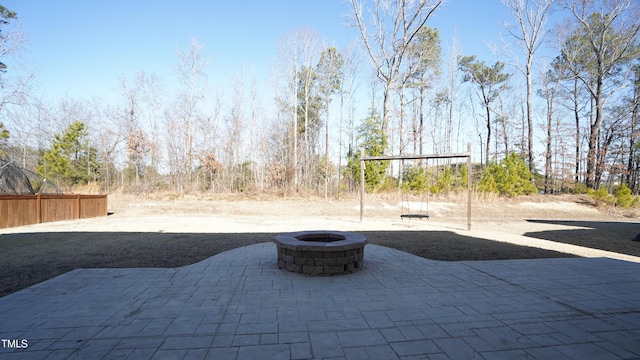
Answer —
238 305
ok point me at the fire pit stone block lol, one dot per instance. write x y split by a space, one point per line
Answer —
321 252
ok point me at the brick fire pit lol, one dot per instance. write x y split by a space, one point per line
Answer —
321 252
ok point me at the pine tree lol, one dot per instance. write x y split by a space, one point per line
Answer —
374 141
70 160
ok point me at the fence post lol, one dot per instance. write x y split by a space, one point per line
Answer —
78 206
38 208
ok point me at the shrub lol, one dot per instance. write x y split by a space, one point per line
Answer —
389 183
509 177
444 181
580 188
414 178
624 198
438 180
462 179
602 195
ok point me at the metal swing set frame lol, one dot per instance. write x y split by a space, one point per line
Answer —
466 155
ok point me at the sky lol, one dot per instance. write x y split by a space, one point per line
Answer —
80 48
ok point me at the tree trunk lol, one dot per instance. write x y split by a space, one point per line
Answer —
295 131
421 116
488 145
631 172
593 137
338 178
529 115
632 142
576 114
305 177
602 157
385 110
505 136
326 154
548 181
401 130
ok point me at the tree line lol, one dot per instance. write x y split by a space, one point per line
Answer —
562 97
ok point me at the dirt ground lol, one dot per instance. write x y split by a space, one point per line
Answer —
170 231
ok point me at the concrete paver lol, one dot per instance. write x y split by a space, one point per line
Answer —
238 305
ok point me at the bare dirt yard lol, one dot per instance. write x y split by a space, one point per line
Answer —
172 231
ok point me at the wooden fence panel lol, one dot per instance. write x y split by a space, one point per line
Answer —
58 208
18 210
92 206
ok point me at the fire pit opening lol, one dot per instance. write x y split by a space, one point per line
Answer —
320 237
321 252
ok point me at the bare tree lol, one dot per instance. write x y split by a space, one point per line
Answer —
207 146
598 53
550 84
150 101
632 161
137 118
347 92
296 50
12 88
529 32
308 117
573 97
175 148
436 128
258 144
192 78
489 82
386 38
329 70
507 109
109 138
235 125
27 132
136 139
424 58
15 84
451 90
280 172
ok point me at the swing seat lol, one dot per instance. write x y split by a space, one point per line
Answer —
415 216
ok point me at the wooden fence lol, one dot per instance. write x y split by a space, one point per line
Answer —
18 210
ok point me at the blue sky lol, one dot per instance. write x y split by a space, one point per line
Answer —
80 48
